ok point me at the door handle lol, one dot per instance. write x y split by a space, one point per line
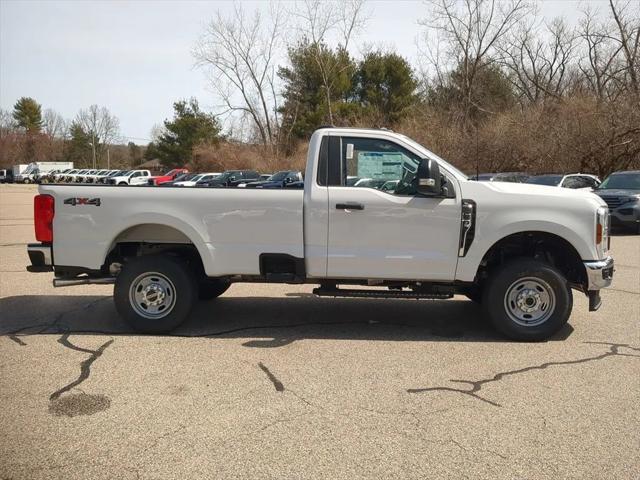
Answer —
349 206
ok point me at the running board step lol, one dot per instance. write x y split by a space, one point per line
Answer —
351 292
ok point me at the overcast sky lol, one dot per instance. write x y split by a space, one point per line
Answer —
134 57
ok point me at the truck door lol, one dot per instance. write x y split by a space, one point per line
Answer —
381 227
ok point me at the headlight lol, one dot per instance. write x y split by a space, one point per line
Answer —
602 231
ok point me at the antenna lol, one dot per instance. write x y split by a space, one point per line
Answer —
477 155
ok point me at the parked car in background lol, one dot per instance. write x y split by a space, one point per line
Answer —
621 191
51 176
71 176
132 177
573 180
512 177
482 177
230 178
82 177
277 180
36 170
191 179
93 177
6 176
170 176
56 175
104 179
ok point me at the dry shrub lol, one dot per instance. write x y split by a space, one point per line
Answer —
577 134
237 156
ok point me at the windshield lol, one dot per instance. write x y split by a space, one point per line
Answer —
551 180
623 181
429 154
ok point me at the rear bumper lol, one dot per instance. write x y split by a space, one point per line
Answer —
599 273
41 257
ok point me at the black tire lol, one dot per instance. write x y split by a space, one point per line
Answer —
181 290
123 183
511 277
474 293
210 288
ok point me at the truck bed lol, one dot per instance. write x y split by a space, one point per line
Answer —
229 227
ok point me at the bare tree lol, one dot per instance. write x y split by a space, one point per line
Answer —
53 124
540 68
627 21
101 126
318 20
600 64
240 52
471 30
7 122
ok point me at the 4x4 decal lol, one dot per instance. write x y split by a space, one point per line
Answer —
82 201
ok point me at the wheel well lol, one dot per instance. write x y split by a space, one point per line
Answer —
151 239
543 246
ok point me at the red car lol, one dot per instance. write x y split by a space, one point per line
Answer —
167 177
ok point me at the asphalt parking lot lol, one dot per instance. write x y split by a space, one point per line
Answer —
270 382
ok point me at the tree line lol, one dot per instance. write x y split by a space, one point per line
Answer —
91 139
495 88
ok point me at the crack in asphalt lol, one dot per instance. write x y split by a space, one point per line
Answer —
623 291
85 366
15 334
276 383
476 385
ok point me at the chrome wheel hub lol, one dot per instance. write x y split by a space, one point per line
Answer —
529 301
152 295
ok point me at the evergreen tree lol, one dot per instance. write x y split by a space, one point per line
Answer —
78 148
189 127
28 115
386 85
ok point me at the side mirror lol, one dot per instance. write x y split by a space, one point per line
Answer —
288 180
428 177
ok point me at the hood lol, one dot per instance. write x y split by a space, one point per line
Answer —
535 193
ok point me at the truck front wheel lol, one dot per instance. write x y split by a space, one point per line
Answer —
155 294
527 300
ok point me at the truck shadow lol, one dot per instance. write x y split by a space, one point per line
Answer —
263 322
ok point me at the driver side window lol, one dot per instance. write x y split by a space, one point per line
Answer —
378 164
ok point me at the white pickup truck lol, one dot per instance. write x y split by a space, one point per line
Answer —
516 249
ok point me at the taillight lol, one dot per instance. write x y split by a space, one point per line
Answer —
43 211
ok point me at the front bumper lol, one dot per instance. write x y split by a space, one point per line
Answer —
41 257
599 273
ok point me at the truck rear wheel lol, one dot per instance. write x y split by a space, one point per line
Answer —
210 288
155 294
527 300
